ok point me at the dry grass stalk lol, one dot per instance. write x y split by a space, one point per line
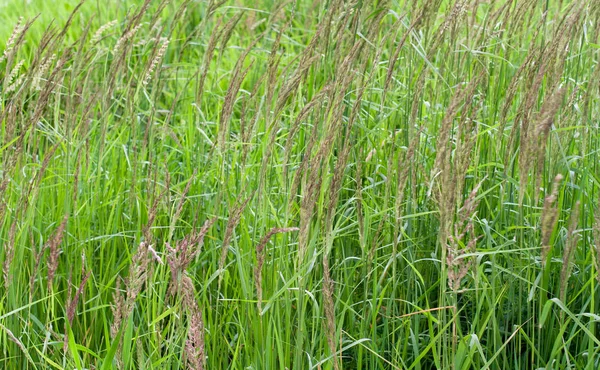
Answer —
548 112
19 344
403 173
346 145
523 78
153 211
156 60
155 23
14 78
41 71
213 5
289 88
260 259
76 179
179 208
247 121
232 222
123 40
155 255
394 58
194 343
184 253
312 180
515 19
463 156
135 281
494 31
239 75
34 274
100 32
307 59
273 64
293 82
16 41
300 174
569 252
67 25
513 87
178 260
318 99
9 254
53 245
137 276
463 96
208 55
140 352
68 322
451 20
343 21
457 265
120 52
312 183
549 217
35 185
461 243
450 179
26 196
335 186
544 124
378 232
12 39
528 144
551 66
72 304
200 28
594 12
227 31
570 114
118 310
40 106
311 192
427 12
566 31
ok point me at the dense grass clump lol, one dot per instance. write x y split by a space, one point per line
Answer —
300 185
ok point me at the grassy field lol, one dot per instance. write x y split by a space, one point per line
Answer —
300 185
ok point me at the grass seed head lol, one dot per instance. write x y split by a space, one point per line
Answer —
53 246
41 71
100 32
9 254
194 343
260 259
12 39
549 217
156 60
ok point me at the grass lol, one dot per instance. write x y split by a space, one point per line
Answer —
300 185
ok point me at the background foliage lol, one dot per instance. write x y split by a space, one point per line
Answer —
325 185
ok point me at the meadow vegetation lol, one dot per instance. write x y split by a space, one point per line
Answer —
300 185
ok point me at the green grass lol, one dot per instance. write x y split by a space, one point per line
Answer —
408 148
